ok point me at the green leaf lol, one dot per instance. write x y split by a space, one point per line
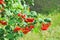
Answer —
40 20
1 38
8 27
10 36
1 32
21 34
47 19
11 39
35 22
12 21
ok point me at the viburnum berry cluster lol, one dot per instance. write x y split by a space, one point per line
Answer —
16 19
26 29
46 24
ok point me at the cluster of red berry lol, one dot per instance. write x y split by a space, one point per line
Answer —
22 15
27 28
45 25
3 22
26 19
24 30
1 2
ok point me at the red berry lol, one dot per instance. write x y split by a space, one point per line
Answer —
31 26
45 26
17 29
23 16
1 1
3 22
19 14
29 20
25 30
26 20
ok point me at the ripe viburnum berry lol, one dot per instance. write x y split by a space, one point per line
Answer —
29 20
31 26
3 22
23 16
19 14
45 26
1 1
25 30
17 28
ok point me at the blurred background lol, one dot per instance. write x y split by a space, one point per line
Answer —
46 6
